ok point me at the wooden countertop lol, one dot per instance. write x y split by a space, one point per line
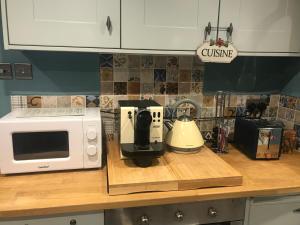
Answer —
75 191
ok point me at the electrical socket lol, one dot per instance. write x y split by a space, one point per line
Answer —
23 71
6 71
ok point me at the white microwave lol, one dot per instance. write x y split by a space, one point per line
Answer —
36 140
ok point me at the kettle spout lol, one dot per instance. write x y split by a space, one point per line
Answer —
168 124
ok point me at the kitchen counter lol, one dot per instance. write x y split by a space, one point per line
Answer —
75 191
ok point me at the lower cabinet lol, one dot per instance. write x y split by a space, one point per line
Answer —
273 211
66 219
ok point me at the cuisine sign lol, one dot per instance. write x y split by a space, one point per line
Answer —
217 53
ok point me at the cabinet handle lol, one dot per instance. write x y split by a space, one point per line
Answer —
108 24
296 210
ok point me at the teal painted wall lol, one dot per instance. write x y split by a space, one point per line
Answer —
253 74
55 73
293 87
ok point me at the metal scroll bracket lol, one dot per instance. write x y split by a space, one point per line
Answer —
209 29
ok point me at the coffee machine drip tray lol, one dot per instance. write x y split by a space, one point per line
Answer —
142 157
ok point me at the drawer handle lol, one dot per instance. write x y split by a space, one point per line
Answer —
109 24
296 210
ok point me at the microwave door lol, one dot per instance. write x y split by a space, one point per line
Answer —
40 145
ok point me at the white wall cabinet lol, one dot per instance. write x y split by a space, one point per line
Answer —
273 211
63 23
167 24
150 26
263 26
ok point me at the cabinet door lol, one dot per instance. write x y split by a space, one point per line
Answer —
274 211
167 24
63 23
263 25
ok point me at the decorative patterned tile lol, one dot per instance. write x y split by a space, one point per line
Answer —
63 101
160 62
159 88
172 74
184 88
207 112
133 75
34 101
18 102
197 75
134 88
172 99
208 101
120 75
106 88
206 125
147 61
185 75
49 101
197 98
92 101
273 112
242 100
230 112
147 76
106 60
274 100
241 111
232 101
290 115
283 101
78 101
292 102
134 61
120 61
159 75
281 113
120 88
298 104
207 135
172 61
186 62
196 88
107 102
172 88
168 112
297 117
106 74
147 88
287 124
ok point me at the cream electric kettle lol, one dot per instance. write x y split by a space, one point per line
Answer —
184 134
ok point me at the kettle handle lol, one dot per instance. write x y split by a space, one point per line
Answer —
190 101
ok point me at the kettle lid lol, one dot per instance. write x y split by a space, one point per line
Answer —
184 118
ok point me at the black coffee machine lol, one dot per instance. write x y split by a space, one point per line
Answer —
141 129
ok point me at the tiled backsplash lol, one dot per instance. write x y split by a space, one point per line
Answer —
162 78
165 79
289 111
54 101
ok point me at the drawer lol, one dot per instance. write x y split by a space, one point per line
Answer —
69 219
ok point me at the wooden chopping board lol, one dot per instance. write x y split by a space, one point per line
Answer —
125 177
171 172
